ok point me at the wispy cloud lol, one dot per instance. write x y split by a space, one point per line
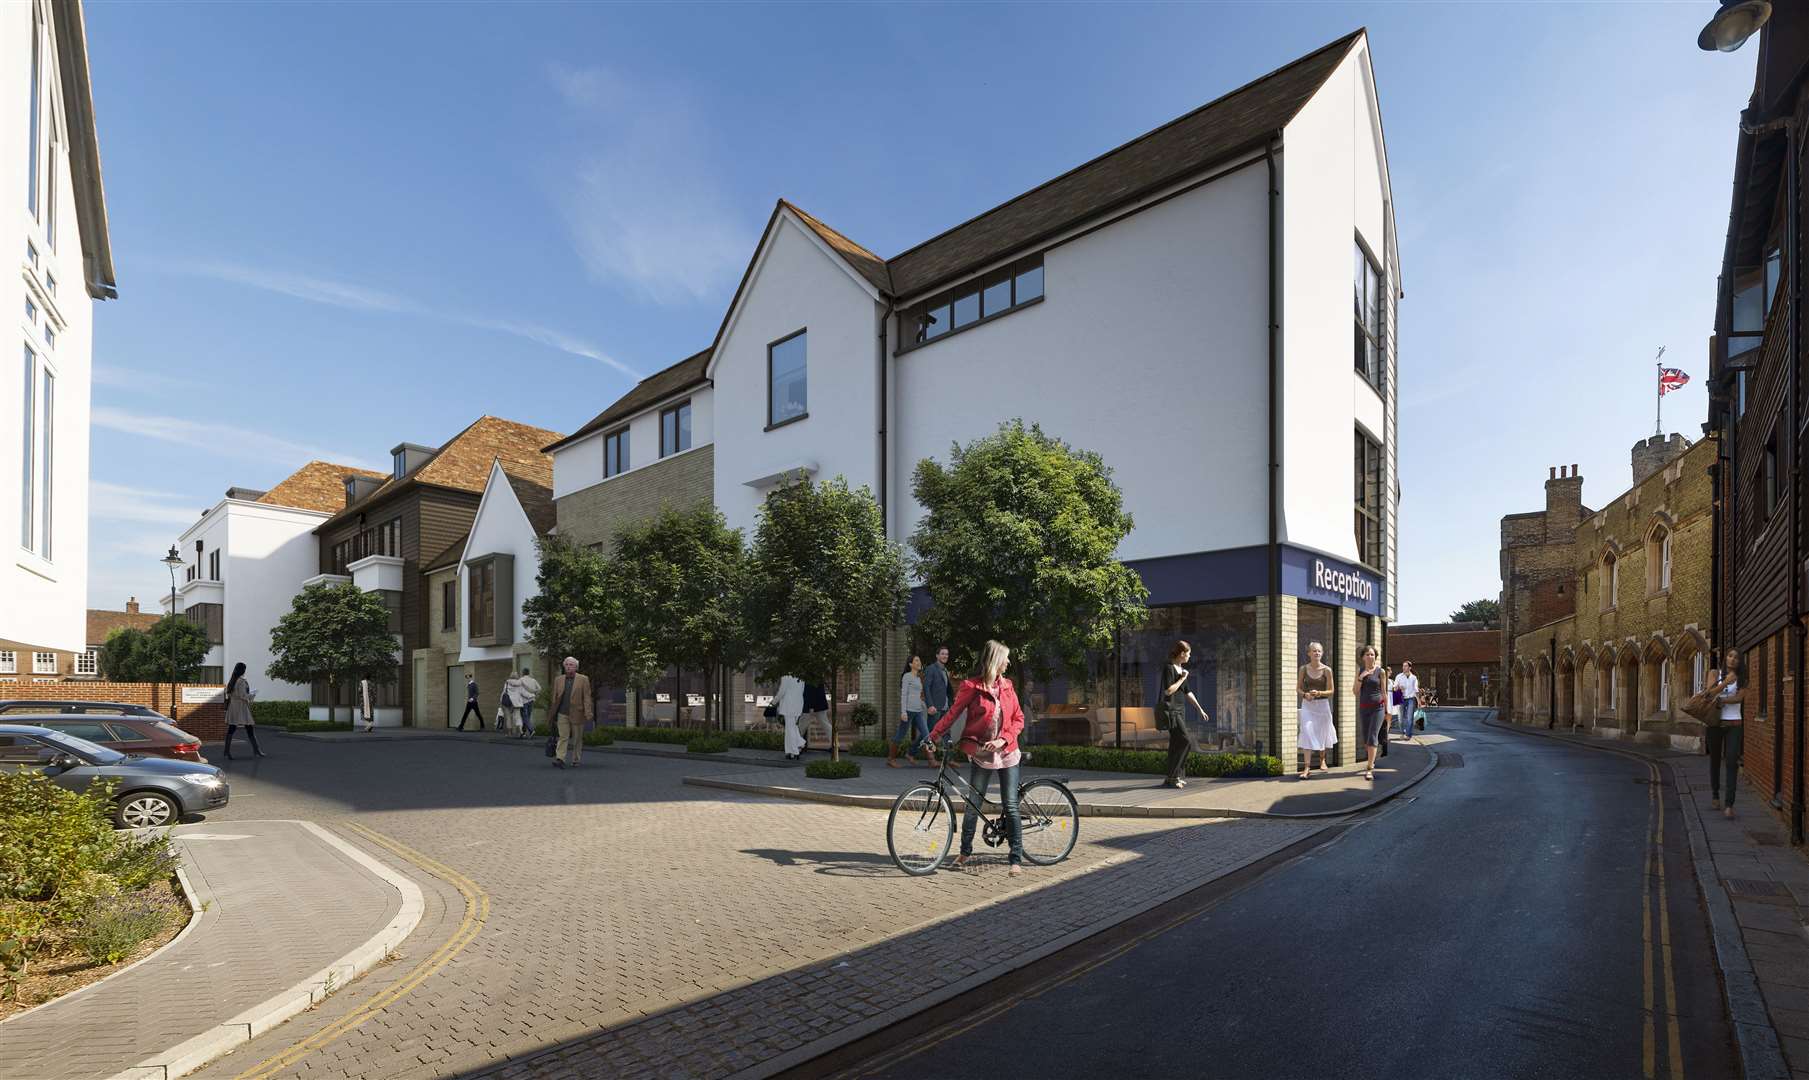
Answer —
642 200
132 379
122 502
356 297
209 435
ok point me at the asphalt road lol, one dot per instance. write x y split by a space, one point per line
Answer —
1488 925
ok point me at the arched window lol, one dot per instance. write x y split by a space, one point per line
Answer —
1611 581
1658 559
1664 685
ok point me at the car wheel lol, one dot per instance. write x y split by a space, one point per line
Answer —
146 810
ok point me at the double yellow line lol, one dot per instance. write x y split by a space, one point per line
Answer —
477 909
1655 853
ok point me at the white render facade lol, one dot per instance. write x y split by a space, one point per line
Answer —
1138 328
502 545
50 176
245 561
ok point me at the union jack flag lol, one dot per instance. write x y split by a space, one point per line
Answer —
1669 379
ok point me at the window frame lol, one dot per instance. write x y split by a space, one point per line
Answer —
87 662
1374 308
976 286
673 410
28 506
480 599
38 666
772 424
9 662
1370 479
449 604
618 438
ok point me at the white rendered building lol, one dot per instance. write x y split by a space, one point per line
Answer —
1181 305
500 569
50 175
246 559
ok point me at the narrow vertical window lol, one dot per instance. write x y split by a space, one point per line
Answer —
788 378
28 477
47 500
675 429
50 183
37 105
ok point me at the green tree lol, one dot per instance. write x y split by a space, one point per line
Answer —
122 656
678 579
133 655
1019 542
575 611
338 633
824 584
1481 611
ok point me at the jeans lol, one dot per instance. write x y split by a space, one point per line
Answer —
916 725
979 779
527 718
1181 742
1725 744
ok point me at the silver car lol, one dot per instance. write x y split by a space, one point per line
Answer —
152 791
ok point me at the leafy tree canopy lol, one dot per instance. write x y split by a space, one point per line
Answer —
1019 542
575 612
1478 611
133 655
677 580
339 633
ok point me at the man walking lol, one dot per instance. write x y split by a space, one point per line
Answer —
471 708
530 688
935 686
573 710
1409 685
367 705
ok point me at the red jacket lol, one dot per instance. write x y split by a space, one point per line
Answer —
980 704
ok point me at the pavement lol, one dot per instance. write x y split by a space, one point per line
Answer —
1526 912
278 903
613 921
1341 790
1756 889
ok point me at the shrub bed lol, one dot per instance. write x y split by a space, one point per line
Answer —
279 713
74 892
598 737
1108 759
832 770
707 744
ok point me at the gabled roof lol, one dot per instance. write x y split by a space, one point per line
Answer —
84 148
867 264
317 486
655 388
1237 123
102 623
463 463
536 502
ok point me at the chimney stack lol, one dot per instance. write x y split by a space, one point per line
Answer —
1563 500
132 606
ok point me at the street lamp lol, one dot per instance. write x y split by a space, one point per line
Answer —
172 560
1733 24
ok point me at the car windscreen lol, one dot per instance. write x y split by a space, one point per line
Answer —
92 751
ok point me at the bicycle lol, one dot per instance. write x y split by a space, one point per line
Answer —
921 828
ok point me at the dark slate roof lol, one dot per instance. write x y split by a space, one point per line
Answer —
867 264
452 556
660 385
1234 124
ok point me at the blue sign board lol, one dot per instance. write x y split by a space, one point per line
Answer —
1325 580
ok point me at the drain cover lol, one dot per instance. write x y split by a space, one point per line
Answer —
1771 892
1451 761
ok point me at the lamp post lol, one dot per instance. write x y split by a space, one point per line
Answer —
172 560
1733 24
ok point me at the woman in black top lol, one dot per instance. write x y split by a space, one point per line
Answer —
1171 710
1372 704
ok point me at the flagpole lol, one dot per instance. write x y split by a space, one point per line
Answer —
1658 414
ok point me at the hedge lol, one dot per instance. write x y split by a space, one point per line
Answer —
598 737
832 770
707 744
279 713
1155 762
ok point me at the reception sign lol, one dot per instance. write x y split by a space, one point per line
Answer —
1325 580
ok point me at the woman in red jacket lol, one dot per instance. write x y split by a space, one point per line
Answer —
992 719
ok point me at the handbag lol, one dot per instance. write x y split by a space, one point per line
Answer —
1705 708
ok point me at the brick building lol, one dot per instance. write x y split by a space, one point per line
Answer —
23 663
1755 406
1461 662
1606 613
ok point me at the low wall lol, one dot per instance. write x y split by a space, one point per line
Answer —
205 719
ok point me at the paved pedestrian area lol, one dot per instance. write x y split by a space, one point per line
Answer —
279 904
1336 791
630 925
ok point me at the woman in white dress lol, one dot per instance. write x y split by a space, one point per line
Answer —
1317 732
789 702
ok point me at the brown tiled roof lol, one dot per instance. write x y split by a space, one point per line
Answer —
449 557
318 485
1429 644
1234 124
656 387
869 265
463 463
536 502
102 623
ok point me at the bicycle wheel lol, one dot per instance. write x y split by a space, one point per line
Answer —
1050 820
921 829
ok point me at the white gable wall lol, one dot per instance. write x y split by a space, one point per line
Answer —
500 528
269 552
797 284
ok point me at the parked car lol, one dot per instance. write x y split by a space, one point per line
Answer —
152 791
130 729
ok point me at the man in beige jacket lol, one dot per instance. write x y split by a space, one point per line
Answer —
573 710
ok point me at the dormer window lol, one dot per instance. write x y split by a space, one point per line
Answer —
399 464
351 490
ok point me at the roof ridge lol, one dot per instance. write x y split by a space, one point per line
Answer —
1344 41
882 275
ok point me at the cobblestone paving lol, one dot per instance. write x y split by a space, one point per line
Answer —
640 927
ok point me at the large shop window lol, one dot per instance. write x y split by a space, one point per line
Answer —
1122 684
787 379
971 303
1371 549
1371 313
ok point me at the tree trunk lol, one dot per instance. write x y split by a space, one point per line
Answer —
835 748
332 699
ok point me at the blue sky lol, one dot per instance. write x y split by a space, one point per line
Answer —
340 227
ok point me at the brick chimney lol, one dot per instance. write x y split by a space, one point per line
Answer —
1651 455
132 606
1563 499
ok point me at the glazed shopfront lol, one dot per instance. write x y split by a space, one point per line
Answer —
1244 674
